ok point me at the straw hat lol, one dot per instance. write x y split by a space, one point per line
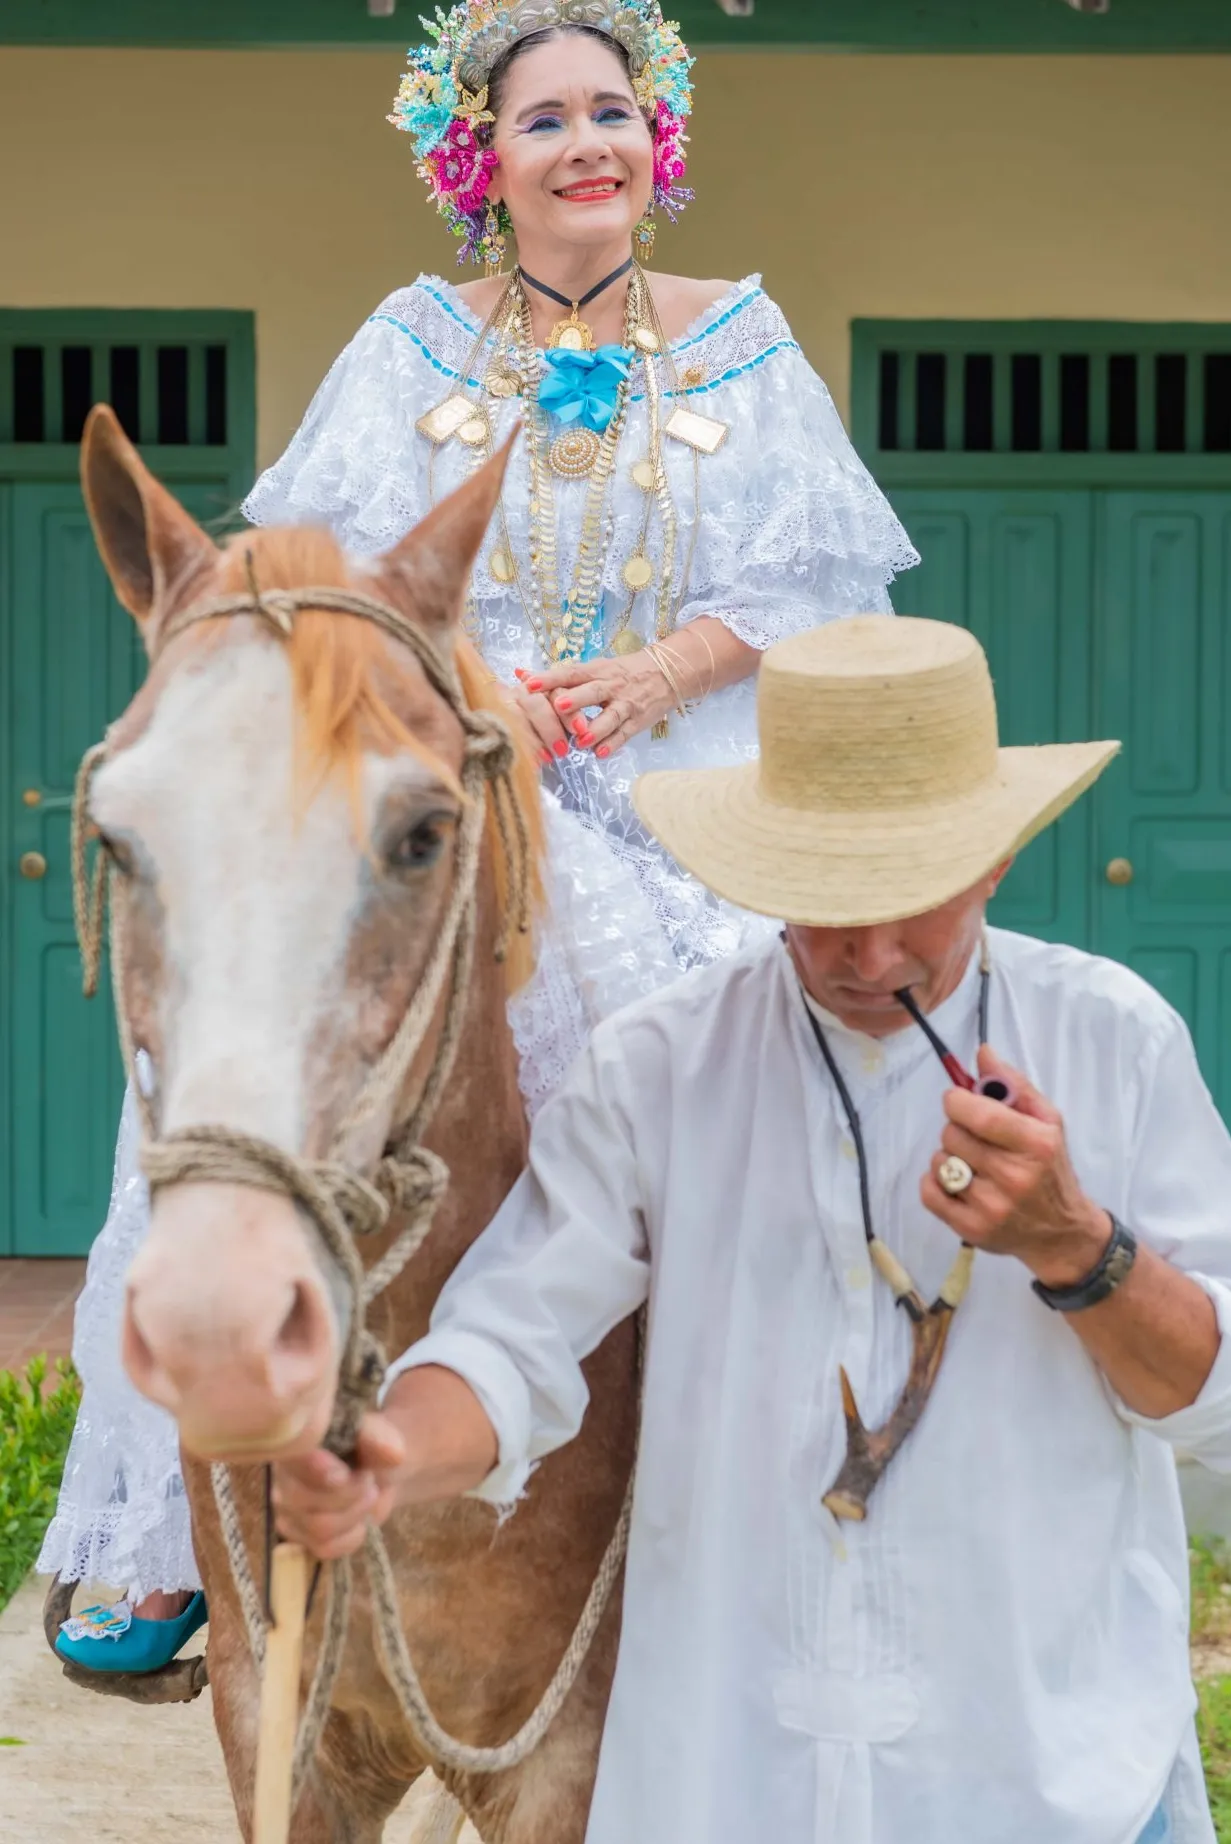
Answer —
881 791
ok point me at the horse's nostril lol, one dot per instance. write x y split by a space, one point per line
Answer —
141 1364
300 1330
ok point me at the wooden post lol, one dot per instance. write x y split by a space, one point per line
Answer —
280 1696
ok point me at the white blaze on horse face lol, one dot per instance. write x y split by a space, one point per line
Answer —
230 1321
257 900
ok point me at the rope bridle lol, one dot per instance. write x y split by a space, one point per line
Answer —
343 1204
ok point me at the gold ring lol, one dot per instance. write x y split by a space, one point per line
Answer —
954 1175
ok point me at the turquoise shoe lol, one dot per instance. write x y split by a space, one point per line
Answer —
114 1639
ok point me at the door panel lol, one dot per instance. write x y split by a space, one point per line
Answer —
1164 686
76 660
1015 568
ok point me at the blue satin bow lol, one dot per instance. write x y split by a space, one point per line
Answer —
582 387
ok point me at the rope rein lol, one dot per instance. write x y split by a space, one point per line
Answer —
344 1205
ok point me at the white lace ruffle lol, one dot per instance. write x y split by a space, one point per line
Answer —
122 1516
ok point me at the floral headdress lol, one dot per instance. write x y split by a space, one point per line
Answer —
442 101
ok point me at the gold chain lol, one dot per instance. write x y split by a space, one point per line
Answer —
562 628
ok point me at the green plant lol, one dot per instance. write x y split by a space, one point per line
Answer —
36 1423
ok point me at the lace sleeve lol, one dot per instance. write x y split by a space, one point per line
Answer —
356 463
792 528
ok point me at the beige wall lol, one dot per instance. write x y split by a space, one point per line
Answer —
859 185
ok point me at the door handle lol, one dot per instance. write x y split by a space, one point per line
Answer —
1119 871
32 865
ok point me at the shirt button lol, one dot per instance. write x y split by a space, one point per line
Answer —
872 1060
847 1148
857 1278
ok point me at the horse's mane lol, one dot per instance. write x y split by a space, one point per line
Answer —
345 675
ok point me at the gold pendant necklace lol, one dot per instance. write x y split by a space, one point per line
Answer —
573 334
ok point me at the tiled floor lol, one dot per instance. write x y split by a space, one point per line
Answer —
36 1309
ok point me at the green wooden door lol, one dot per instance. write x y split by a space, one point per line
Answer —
71 659
1163 685
1015 568
1069 487
76 661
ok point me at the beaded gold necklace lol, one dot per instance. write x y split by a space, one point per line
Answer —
565 628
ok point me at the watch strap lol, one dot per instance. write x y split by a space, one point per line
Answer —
1112 1268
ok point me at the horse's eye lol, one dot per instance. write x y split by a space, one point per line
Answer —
119 854
422 845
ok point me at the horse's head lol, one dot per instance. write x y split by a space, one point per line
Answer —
279 810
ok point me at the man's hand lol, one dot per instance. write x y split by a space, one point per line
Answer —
1025 1199
432 1440
326 1505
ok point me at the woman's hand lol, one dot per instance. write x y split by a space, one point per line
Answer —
545 726
631 692
634 691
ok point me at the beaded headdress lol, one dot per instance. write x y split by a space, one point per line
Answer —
442 101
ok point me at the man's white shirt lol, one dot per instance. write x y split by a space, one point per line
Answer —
999 1654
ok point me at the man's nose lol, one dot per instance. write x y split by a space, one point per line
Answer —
873 953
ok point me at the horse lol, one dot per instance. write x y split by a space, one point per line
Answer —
278 806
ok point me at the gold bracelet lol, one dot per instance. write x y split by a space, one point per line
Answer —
653 652
683 668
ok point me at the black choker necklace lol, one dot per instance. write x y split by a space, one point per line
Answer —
573 334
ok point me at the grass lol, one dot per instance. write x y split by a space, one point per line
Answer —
37 1411
1211 1628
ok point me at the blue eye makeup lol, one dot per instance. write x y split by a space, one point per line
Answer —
543 121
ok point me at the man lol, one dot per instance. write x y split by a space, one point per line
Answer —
995 1653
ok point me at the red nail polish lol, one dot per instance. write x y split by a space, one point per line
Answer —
602 750
534 684
544 757
519 672
561 748
564 704
579 726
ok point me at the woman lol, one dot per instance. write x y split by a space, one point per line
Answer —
683 495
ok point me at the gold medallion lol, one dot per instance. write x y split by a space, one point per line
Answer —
626 640
574 453
473 433
646 339
502 567
445 419
704 433
571 335
692 377
502 384
638 572
643 475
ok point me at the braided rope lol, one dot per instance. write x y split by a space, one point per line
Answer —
345 1206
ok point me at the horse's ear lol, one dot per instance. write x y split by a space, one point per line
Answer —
433 562
150 546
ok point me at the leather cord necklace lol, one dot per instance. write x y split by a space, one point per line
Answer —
870 1450
573 334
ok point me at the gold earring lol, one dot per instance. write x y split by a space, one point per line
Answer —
643 237
491 244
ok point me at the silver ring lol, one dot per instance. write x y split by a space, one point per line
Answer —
954 1175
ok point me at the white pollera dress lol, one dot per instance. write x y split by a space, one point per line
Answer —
779 529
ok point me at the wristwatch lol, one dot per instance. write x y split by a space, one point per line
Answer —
1103 1279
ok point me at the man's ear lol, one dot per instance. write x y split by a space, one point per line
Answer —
149 545
997 877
